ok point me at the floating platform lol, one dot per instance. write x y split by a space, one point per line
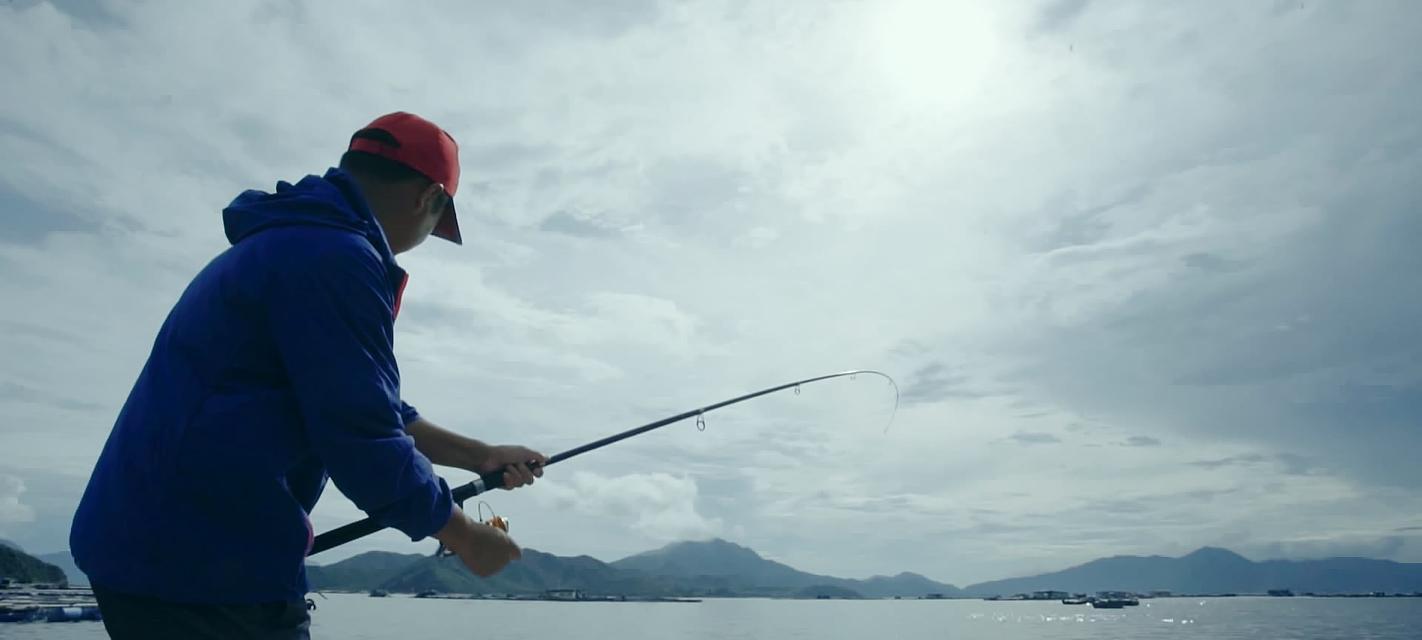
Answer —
23 603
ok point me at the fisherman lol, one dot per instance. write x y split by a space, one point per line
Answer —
274 371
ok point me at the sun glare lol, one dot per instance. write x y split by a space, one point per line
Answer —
933 53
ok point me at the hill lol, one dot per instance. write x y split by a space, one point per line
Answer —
721 568
717 566
1214 570
710 568
22 567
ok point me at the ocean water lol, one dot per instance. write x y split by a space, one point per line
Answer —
358 617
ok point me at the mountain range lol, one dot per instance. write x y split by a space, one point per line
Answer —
720 568
710 568
1214 570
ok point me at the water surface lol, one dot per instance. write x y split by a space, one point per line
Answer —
360 617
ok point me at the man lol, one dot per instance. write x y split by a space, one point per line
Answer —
273 371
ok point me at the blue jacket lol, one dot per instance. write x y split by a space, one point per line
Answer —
273 370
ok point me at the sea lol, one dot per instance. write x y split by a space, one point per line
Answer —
357 616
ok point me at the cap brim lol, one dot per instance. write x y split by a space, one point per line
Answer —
448 226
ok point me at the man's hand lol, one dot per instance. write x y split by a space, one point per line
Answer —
482 548
520 464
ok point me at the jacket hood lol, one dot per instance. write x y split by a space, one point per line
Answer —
332 200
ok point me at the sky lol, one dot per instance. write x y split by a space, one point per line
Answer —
1145 273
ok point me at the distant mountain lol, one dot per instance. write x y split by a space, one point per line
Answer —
535 572
717 567
360 573
720 568
65 562
905 584
22 567
1214 570
718 564
714 568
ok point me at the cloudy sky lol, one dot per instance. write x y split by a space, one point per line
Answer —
1146 273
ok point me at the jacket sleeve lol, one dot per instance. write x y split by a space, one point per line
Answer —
330 314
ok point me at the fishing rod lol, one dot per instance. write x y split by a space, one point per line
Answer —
495 479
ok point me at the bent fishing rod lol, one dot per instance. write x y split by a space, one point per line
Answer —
495 479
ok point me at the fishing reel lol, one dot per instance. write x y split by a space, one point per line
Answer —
494 520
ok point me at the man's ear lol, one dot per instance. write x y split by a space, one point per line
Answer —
432 198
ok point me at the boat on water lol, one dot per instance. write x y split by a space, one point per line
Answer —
1114 603
378 593
1114 600
1076 600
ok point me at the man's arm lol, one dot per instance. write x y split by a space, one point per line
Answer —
450 449
447 448
329 312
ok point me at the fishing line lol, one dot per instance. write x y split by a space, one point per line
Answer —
495 479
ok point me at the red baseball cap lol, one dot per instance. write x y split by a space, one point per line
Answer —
420 145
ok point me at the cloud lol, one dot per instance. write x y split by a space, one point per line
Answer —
1030 438
12 510
1357 546
658 505
936 382
1209 262
1287 463
1243 459
567 223
1297 465
29 221
1060 13
15 392
1100 219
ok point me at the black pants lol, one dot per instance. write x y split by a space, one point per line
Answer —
128 616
